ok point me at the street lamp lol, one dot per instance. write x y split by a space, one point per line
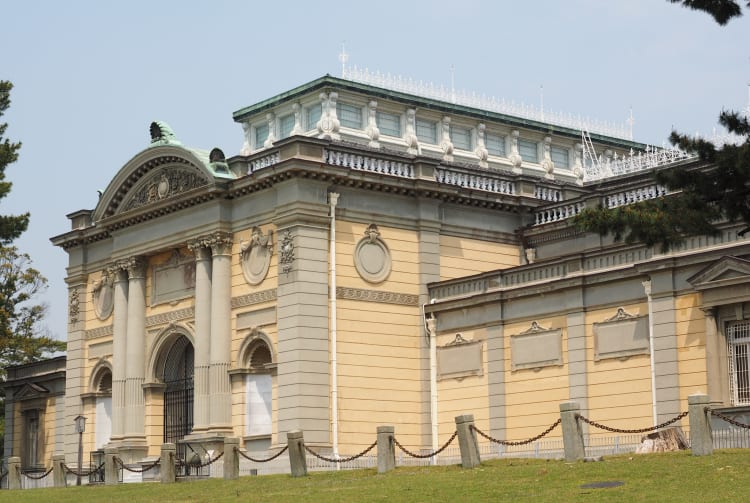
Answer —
80 428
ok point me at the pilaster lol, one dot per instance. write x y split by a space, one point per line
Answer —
75 361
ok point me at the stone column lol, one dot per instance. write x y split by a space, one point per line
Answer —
386 449
168 455
58 470
110 466
221 334
201 402
119 348
571 430
296 448
701 440
14 472
231 458
467 441
135 351
716 379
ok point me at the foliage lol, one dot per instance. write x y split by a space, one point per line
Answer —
22 339
11 226
665 477
700 198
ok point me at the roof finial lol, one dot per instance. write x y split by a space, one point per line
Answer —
453 86
343 57
631 121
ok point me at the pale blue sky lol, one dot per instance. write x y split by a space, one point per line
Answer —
90 76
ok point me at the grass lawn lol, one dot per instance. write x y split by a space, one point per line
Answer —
678 477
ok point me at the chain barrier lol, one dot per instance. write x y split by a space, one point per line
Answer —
282 451
40 477
639 430
423 456
341 460
209 462
727 419
517 442
137 470
85 474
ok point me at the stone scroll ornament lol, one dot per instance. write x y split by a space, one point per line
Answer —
102 295
255 256
372 258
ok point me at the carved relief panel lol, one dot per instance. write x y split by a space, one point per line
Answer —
255 256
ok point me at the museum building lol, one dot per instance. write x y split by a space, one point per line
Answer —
374 256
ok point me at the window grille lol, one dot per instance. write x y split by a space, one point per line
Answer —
389 124
738 339
313 116
461 138
426 131
349 115
560 157
286 124
495 144
528 151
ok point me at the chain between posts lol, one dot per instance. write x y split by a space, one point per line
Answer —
341 460
282 451
639 430
40 477
423 456
137 470
86 474
727 419
518 442
207 463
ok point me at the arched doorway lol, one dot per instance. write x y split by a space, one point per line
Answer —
178 395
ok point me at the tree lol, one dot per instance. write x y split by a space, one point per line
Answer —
22 337
696 204
11 226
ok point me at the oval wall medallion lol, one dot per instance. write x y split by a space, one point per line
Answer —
255 256
102 295
372 258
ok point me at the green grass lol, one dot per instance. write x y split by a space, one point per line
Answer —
678 477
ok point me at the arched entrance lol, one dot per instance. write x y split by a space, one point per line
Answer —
178 395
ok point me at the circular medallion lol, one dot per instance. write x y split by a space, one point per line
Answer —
372 259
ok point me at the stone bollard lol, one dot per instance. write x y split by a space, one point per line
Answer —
168 456
297 460
110 467
231 458
386 449
572 432
14 473
467 441
58 470
701 440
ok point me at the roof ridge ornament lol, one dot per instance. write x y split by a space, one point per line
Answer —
162 134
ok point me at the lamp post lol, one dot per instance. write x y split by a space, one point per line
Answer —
80 428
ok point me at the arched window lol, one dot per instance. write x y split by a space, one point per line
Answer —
258 389
103 402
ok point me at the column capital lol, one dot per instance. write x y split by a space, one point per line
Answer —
220 243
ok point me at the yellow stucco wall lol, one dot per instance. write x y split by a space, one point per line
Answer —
691 346
461 256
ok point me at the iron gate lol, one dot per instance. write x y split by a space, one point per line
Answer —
178 396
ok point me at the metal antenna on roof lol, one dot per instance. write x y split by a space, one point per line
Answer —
343 57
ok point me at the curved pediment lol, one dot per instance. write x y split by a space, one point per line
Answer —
156 174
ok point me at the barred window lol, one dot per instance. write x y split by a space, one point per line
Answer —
286 124
461 138
560 157
349 115
261 133
313 114
738 339
426 131
389 124
528 151
495 144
